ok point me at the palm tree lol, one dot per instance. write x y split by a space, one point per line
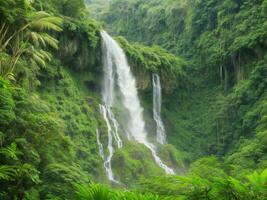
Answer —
30 39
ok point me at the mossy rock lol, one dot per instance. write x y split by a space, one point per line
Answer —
133 162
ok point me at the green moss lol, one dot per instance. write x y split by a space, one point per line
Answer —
173 158
133 162
80 45
147 60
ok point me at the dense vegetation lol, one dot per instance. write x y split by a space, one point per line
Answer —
225 36
225 43
211 56
147 60
42 143
190 187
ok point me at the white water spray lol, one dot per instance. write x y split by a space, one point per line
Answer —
107 98
115 58
107 162
161 135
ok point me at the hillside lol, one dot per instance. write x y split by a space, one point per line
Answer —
173 105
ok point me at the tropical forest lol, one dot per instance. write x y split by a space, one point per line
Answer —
133 99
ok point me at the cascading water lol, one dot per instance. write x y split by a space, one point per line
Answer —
127 86
115 60
105 109
161 135
107 162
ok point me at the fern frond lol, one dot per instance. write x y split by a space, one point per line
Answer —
47 23
38 56
28 170
7 172
44 55
39 15
38 60
11 151
48 40
36 39
92 192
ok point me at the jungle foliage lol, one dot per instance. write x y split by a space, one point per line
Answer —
222 36
42 144
211 56
193 187
222 101
148 60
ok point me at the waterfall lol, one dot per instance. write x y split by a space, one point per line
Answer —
107 163
161 135
115 62
105 109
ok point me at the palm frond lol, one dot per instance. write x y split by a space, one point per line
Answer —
51 41
39 56
43 39
47 23
36 39
38 15
28 37
38 60
46 56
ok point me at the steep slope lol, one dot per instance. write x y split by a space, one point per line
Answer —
48 110
50 105
213 91
224 43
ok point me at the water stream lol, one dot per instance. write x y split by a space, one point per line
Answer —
161 135
107 161
117 71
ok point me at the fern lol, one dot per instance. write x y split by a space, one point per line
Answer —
7 172
100 192
11 151
29 171
42 21
258 181
30 39
94 191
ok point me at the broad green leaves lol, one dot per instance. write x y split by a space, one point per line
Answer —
100 192
27 38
